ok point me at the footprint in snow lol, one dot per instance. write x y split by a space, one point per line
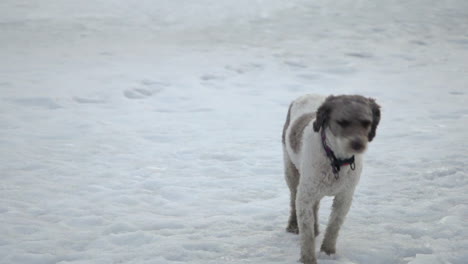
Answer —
245 68
211 77
310 76
341 71
360 55
153 84
82 100
149 89
39 102
419 42
137 93
295 64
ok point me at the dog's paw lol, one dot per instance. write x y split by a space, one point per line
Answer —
293 229
308 260
329 250
316 232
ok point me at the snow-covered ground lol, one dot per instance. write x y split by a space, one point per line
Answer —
149 131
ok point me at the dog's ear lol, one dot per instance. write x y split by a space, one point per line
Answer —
375 118
323 114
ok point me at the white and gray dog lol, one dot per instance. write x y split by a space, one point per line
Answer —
323 143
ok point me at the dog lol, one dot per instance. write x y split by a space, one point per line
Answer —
323 143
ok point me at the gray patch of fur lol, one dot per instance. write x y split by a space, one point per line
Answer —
295 136
375 118
292 179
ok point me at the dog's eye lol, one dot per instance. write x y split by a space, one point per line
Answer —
343 123
365 123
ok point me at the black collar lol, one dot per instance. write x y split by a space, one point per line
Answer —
336 163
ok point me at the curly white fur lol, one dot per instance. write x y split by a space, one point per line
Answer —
308 171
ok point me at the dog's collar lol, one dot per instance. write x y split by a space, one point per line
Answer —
335 163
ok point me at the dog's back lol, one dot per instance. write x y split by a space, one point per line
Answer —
305 104
301 113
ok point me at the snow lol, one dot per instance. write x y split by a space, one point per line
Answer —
149 131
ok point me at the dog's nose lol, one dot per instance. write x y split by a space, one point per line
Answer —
357 145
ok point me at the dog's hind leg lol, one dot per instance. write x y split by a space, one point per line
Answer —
292 179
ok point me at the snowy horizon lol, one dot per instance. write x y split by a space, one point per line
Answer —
150 131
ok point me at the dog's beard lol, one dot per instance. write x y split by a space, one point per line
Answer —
345 147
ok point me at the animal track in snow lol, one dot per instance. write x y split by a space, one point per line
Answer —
245 68
211 77
41 102
82 100
310 76
296 64
149 88
360 55
419 42
137 93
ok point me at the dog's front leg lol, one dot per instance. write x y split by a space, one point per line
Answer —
306 219
341 205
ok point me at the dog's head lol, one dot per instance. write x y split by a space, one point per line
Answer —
352 119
